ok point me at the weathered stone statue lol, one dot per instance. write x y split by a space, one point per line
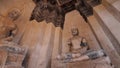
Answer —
11 54
7 28
78 51
77 57
77 45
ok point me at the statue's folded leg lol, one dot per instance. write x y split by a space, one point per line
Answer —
90 55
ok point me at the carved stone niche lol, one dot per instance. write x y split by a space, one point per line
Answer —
13 56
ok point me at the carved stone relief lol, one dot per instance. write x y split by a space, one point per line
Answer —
49 10
79 51
12 54
8 28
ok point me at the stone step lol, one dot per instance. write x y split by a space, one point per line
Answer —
109 24
113 6
104 41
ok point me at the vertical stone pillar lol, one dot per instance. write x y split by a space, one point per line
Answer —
46 48
38 39
57 48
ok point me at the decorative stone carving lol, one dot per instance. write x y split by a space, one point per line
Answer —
60 21
93 2
41 11
37 13
49 10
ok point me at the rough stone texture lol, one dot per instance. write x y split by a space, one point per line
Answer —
113 7
46 48
106 44
3 58
109 24
35 36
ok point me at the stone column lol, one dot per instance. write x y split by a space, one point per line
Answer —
35 41
46 47
57 48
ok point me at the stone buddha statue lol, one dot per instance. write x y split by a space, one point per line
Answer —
8 28
79 51
13 53
77 43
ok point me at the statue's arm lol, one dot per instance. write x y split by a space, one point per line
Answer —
84 42
14 31
69 43
12 34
